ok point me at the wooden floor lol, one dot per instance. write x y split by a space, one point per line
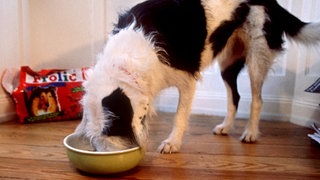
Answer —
35 151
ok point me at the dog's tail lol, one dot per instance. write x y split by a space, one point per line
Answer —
281 21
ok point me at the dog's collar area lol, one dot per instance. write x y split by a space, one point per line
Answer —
134 77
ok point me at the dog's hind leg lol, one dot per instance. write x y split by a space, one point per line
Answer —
229 76
231 61
173 143
259 61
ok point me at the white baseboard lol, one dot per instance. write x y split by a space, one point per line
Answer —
278 109
8 117
274 108
7 111
304 113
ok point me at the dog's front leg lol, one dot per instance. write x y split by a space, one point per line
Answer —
173 143
81 128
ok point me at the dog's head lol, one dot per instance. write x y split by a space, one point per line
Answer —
118 92
125 124
115 112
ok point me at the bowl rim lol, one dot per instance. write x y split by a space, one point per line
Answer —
95 152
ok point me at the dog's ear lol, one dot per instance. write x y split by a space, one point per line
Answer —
118 115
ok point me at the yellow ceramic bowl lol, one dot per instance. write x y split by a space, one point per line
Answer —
82 156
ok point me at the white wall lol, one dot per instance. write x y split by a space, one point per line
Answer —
305 106
66 34
12 46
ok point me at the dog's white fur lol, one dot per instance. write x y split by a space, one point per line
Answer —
129 61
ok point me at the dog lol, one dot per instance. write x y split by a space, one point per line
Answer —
167 43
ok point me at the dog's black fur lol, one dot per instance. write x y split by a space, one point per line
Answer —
118 103
280 21
178 27
221 35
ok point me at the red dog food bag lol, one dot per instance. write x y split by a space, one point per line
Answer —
47 95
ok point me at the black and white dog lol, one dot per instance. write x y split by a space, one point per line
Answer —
163 43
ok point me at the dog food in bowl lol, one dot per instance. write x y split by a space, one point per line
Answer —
84 158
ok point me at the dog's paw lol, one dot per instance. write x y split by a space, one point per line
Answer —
249 136
221 129
167 147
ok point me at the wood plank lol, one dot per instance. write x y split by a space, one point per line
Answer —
14 168
35 151
234 163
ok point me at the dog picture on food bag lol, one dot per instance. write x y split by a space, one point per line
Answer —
168 43
43 100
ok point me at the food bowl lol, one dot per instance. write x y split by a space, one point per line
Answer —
82 156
